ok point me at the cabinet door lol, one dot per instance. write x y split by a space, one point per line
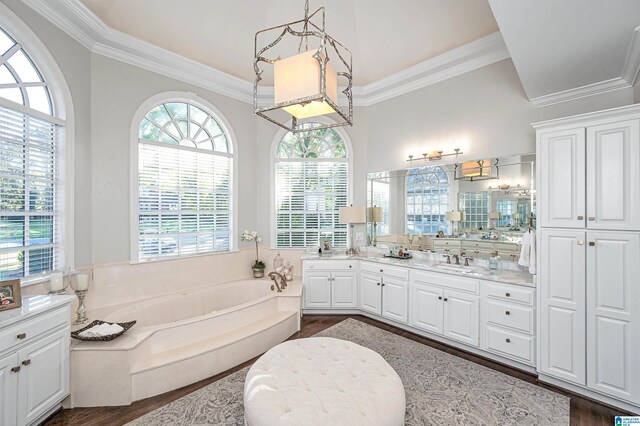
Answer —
317 290
561 178
370 293
613 176
44 376
427 308
344 290
395 299
8 390
462 317
613 314
562 304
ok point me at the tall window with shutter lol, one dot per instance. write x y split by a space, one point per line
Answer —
31 193
185 162
311 184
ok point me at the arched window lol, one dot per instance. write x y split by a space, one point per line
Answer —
32 221
427 199
185 162
311 184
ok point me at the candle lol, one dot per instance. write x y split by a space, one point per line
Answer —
82 282
56 281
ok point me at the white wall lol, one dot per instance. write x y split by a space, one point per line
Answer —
117 91
485 112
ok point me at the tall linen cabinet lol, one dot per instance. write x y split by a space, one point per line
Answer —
588 183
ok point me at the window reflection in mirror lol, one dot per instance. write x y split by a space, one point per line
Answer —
414 203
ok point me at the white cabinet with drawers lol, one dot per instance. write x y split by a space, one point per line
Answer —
384 290
330 284
34 359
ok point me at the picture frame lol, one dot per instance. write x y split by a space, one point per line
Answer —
10 295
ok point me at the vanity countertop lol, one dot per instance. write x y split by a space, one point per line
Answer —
510 276
33 305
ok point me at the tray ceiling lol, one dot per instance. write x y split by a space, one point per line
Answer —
385 36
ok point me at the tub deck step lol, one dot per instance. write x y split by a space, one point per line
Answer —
208 344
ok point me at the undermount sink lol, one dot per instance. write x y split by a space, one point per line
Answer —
454 268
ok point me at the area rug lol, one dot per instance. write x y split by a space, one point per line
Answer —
441 389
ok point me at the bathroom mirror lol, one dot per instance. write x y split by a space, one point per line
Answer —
473 207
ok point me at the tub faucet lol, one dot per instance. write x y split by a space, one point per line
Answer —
283 281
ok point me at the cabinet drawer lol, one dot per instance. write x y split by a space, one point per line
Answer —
511 293
507 248
481 246
330 265
27 330
510 315
510 345
381 268
442 280
445 243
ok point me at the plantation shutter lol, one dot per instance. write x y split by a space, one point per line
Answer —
184 200
30 219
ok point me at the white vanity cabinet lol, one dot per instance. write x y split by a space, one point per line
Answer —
34 359
330 284
446 305
384 290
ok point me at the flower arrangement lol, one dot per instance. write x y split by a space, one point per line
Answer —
254 236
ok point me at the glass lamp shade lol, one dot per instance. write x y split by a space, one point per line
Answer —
375 214
353 215
476 168
298 77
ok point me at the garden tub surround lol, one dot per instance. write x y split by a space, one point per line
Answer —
181 338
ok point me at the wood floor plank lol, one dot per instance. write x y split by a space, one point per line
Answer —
584 412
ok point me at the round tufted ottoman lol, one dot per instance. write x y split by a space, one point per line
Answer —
322 381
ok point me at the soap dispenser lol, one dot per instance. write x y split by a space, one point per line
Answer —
493 260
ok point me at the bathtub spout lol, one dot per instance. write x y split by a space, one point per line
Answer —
283 281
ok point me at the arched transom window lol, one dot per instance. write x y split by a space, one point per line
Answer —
31 169
427 199
20 80
311 184
185 165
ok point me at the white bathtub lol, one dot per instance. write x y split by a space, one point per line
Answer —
181 338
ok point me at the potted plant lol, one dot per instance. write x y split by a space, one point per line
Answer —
258 266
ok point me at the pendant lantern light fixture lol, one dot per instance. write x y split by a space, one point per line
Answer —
306 82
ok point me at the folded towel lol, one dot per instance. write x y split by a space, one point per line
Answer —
102 330
528 251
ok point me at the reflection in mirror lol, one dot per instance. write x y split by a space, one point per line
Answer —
448 207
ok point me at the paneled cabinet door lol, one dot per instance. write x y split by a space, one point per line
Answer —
427 308
562 337
44 376
462 317
395 299
561 178
344 290
613 314
613 176
8 390
317 290
370 293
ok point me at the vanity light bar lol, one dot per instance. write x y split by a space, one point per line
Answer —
434 155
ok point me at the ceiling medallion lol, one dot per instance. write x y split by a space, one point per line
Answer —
306 82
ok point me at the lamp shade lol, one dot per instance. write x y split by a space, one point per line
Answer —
353 215
454 215
495 215
476 168
375 214
298 77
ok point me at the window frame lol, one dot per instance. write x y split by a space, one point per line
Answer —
280 134
64 117
140 114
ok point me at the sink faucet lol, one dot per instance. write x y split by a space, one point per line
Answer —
457 259
466 260
283 281
448 257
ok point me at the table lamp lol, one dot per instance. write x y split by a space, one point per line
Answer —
375 216
454 216
350 216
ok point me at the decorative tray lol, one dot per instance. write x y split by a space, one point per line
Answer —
394 256
125 326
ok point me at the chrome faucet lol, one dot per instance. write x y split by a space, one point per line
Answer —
448 258
457 259
283 281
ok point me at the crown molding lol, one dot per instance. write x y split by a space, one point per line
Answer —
632 63
79 22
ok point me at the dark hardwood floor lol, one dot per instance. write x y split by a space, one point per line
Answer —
583 410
